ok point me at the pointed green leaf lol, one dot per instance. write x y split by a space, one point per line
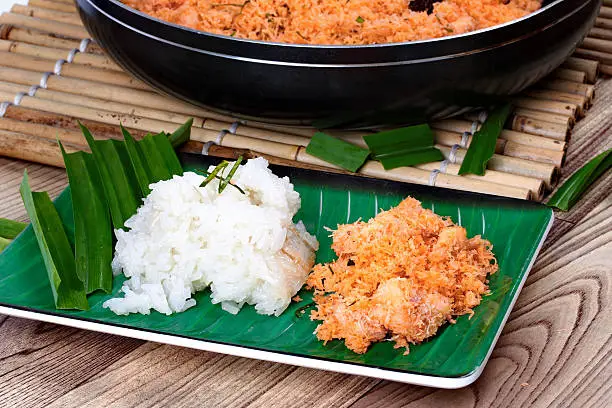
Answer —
226 180
9 229
168 154
93 231
68 290
121 187
568 194
181 135
404 146
4 242
139 162
482 146
336 151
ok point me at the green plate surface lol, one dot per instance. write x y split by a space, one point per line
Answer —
516 229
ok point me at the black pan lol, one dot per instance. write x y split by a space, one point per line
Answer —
340 86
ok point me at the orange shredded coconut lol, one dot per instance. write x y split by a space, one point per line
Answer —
296 298
335 21
399 276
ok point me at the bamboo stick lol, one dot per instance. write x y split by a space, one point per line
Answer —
536 186
135 122
570 75
277 149
53 5
66 135
101 76
419 176
153 125
42 150
459 126
63 29
605 12
32 148
585 90
533 140
546 94
59 16
65 1
507 148
93 60
589 67
107 92
73 99
530 125
602 57
545 172
537 123
558 108
597 44
248 131
602 33
603 23
606 69
45 40
102 130
564 122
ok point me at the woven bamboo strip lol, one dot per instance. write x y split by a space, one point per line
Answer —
74 99
101 76
606 69
563 122
603 23
570 75
597 44
93 60
559 108
63 29
44 39
459 126
59 16
66 135
107 92
420 176
536 186
605 12
64 1
53 5
32 148
585 90
22 114
507 148
546 94
601 33
602 57
546 172
589 67
537 123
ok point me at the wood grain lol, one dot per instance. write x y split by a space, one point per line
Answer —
555 351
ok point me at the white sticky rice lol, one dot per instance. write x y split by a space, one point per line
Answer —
185 238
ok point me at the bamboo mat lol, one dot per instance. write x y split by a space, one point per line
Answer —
52 74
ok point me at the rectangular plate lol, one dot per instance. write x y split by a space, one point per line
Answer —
454 358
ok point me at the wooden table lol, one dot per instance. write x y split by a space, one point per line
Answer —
556 349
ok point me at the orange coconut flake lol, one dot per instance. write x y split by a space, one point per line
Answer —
399 276
335 21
